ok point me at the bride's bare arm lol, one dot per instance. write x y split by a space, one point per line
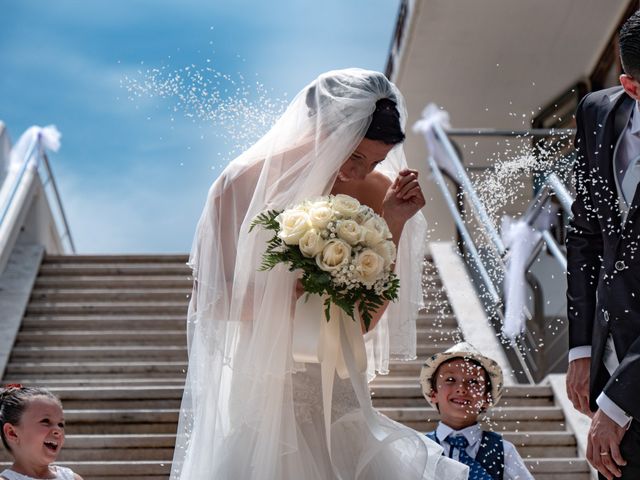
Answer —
400 200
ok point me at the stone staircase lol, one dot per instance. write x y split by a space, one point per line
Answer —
106 334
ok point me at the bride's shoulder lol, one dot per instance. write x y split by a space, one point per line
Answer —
372 190
377 184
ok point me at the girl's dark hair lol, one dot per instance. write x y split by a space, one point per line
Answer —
385 123
13 402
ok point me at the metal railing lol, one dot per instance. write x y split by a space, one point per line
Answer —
543 360
40 159
17 181
58 200
552 187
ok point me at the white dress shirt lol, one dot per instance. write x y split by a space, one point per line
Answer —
514 467
626 162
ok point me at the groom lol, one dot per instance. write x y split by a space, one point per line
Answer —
603 250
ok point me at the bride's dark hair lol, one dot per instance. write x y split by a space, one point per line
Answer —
385 123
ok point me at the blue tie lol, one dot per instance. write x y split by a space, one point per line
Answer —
476 471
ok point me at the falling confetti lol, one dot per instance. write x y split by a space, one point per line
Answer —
239 110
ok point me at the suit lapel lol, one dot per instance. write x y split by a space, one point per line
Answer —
633 207
615 122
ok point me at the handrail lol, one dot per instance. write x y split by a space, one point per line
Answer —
563 195
464 232
35 149
470 191
493 132
52 180
18 180
552 187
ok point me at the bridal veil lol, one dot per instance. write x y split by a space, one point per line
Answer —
238 388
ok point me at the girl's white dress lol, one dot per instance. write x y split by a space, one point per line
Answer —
62 473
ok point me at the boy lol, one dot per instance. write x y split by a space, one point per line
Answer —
461 384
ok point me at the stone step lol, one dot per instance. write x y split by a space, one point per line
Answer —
119 441
160 446
97 353
103 323
130 398
104 317
124 404
435 291
409 387
142 427
177 381
113 281
426 350
436 320
437 308
114 447
409 368
103 337
543 469
62 370
112 332
104 308
558 468
164 454
436 330
438 335
101 378
118 393
103 295
79 269
518 419
431 280
74 418
131 258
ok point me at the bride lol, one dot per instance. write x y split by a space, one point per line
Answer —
249 411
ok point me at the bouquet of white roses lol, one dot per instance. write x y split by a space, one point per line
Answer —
343 248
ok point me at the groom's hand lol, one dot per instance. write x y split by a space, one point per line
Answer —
578 384
603 447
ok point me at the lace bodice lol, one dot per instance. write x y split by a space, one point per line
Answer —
307 394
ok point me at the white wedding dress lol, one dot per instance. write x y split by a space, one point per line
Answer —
352 442
249 411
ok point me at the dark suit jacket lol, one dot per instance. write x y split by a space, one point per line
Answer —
603 256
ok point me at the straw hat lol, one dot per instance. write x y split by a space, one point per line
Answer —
465 351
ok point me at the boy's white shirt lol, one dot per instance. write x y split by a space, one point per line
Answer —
514 467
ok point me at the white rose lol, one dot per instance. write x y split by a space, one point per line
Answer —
320 214
349 231
375 231
387 250
335 254
364 214
345 205
311 243
294 224
369 266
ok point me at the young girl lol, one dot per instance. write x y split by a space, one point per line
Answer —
32 431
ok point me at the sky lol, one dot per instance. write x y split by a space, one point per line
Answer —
135 163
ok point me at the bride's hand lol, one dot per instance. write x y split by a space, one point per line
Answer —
404 197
